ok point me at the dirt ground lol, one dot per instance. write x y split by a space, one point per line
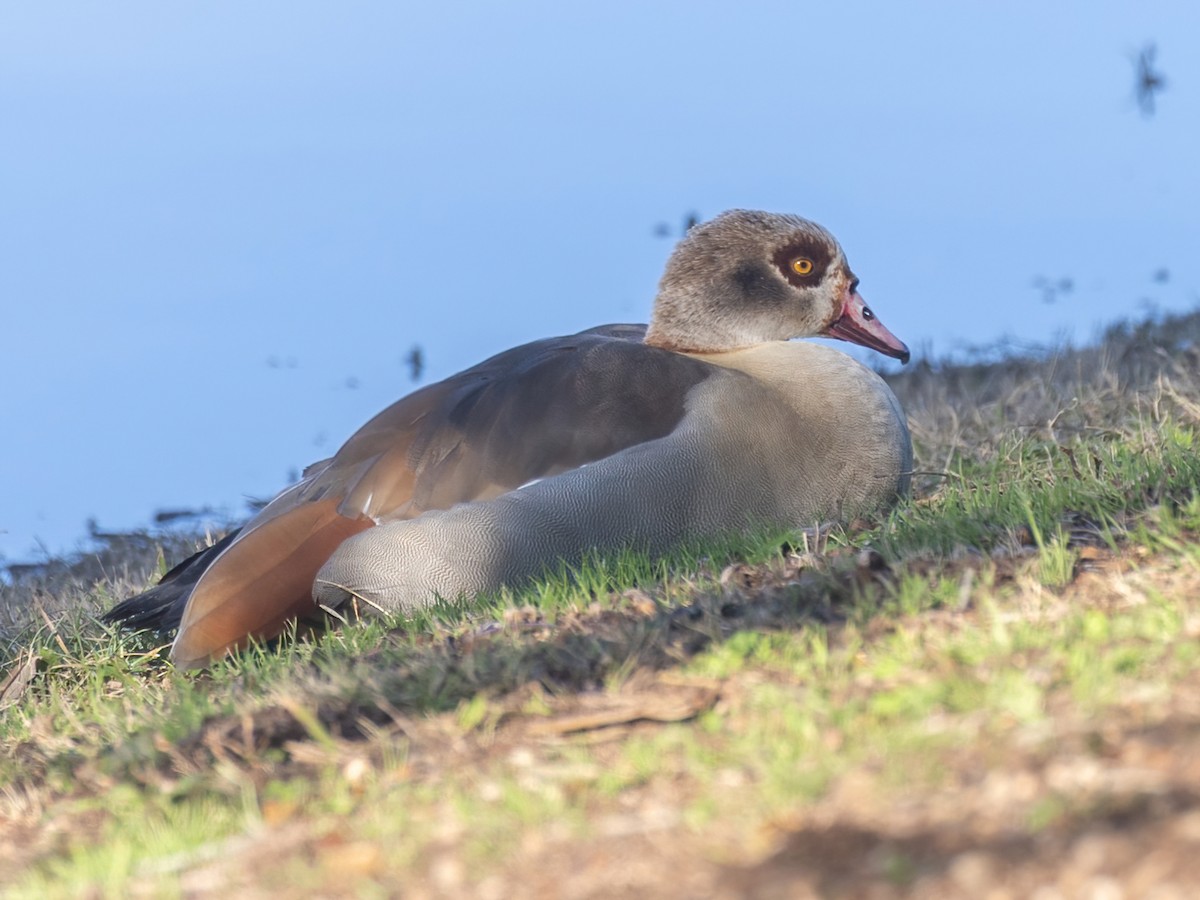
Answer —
1122 796
1074 807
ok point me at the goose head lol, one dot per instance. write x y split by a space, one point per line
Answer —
748 277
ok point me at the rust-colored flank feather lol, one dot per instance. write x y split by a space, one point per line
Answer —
261 582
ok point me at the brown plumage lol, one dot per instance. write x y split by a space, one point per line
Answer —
569 412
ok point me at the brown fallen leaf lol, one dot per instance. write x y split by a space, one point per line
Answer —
14 686
676 705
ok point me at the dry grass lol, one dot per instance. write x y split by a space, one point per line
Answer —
1139 372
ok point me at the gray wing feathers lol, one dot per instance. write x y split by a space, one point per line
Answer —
527 413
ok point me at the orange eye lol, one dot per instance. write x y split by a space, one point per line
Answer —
802 265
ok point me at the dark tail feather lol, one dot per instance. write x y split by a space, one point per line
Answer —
161 607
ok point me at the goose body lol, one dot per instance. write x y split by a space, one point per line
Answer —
707 421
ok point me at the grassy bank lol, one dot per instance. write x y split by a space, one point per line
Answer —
996 686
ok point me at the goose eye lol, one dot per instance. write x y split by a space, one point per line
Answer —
802 265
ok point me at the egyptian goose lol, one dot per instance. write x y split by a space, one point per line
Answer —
707 421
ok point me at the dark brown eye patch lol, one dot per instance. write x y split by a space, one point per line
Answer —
803 263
